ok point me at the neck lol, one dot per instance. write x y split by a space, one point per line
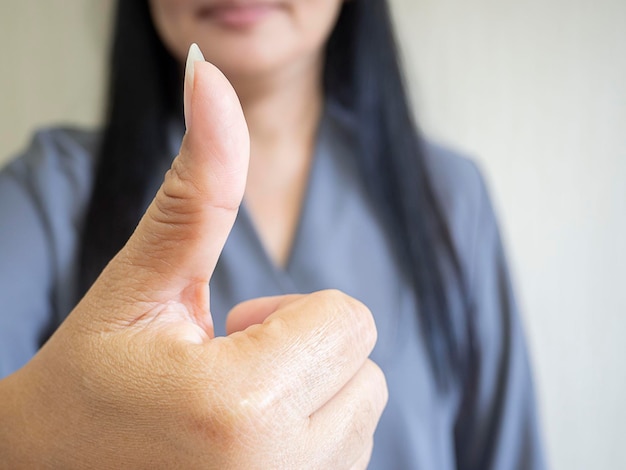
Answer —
282 111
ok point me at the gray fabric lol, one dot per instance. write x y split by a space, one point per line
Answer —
489 423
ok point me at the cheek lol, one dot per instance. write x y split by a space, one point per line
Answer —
171 19
316 19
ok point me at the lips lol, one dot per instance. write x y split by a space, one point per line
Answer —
238 14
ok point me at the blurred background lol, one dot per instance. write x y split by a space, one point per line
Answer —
534 90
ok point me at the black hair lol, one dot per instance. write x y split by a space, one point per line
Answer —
363 73
143 94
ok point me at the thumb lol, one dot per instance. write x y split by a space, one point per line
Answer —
174 250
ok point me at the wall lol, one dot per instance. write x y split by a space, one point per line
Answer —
52 66
535 90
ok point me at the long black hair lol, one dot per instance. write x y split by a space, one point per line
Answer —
362 72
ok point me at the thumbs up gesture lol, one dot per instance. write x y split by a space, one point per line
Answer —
134 378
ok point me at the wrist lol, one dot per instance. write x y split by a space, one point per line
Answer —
24 440
14 433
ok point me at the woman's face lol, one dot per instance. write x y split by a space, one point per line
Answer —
247 37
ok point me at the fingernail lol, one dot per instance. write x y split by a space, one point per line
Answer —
194 55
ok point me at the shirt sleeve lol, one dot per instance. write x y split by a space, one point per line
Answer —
497 426
42 199
25 271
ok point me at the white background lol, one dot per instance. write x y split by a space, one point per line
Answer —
535 90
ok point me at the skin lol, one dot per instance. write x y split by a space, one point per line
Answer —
134 377
275 66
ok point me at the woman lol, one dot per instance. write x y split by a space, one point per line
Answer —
341 193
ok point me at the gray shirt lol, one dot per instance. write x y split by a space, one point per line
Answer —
489 422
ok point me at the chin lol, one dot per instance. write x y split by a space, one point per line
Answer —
240 62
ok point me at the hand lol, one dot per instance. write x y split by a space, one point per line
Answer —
134 377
